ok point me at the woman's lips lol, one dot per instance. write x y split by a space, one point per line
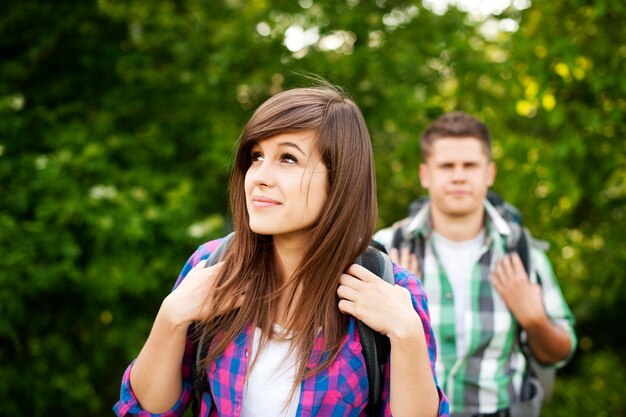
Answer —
260 202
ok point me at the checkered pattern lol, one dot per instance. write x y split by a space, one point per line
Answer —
341 390
488 375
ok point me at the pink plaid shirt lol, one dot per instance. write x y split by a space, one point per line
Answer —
341 390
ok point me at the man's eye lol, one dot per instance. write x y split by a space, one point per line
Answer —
288 158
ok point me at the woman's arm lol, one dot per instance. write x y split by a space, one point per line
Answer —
156 376
389 310
412 389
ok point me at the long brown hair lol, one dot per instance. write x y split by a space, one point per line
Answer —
341 233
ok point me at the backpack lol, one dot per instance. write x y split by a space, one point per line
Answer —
375 345
539 384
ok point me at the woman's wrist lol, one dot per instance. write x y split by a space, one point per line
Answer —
171 315
408 330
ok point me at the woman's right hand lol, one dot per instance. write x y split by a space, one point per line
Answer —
191 300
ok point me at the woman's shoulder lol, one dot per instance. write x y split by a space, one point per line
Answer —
204 251
207 248
201 253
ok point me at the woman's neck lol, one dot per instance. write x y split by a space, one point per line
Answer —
289 254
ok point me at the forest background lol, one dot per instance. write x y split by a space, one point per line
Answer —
117 127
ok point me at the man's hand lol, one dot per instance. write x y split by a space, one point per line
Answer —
406 259
522 297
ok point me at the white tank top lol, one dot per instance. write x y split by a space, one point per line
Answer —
269 383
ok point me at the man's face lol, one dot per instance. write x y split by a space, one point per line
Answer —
457 175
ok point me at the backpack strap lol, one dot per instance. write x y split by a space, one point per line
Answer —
200 383
402 238
375 345
519 242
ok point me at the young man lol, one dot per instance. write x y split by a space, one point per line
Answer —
479 293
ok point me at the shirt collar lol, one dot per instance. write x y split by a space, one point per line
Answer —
422 224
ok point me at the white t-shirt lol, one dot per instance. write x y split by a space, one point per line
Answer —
458 259
269 383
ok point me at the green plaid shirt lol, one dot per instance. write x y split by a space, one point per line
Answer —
488 374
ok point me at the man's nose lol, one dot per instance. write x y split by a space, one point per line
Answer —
458 173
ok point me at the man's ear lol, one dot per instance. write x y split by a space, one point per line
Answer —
424 176
491 173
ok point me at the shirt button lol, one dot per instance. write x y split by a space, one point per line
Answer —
449 295
449 338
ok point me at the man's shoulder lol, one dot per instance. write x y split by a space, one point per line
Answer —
385 235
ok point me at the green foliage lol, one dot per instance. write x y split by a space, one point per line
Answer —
117 127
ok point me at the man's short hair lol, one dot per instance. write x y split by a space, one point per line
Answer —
455 124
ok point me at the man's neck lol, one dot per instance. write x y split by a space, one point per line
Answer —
457 228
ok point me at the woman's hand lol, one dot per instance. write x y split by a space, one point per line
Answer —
386 308
191 300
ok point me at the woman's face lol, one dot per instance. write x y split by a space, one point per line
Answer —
286 185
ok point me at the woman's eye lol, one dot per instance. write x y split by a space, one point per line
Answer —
288 158
256 156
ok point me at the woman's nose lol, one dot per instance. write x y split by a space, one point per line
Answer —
263 173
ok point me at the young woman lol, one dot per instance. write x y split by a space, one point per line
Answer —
280 309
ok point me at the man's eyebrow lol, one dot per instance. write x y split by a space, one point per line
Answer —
469 161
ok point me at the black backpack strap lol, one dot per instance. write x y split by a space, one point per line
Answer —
200 383
375 345
415 242
523 250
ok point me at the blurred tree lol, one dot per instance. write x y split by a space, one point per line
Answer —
117 125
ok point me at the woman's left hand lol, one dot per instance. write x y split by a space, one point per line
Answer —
386 308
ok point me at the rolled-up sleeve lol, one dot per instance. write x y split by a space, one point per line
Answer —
129 406
556 307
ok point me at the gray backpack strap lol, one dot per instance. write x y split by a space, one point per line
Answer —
218 253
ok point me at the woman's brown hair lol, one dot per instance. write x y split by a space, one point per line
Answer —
250 280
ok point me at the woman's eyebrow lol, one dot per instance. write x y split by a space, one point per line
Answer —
291 145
